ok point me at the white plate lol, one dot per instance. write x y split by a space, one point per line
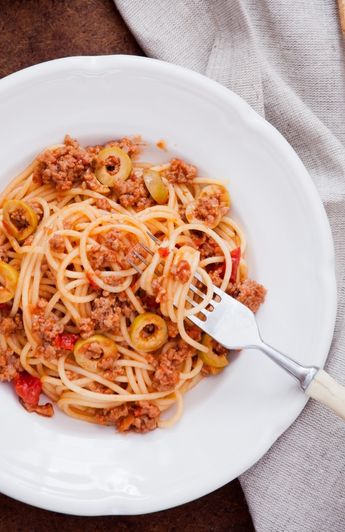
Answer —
229 421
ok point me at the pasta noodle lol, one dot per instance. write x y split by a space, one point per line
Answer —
98 252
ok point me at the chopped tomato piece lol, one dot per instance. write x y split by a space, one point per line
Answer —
163 252
236 257
65 341
28 388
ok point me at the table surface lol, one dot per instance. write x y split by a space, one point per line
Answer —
33 31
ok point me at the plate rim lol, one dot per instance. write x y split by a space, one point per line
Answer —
58 503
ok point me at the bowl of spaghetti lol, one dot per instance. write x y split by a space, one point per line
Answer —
124 181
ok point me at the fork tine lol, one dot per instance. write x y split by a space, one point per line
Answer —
140 257
191 301
153 237
196 291
197 321
131 263
146 248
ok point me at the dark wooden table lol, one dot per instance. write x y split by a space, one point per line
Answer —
32 31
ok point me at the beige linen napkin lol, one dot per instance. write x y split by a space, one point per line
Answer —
286 58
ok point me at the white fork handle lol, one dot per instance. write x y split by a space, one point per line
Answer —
328 391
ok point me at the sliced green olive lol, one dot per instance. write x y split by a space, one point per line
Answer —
88 353
154 184
8 282
216 191
148 332
210 358
19 219
113 164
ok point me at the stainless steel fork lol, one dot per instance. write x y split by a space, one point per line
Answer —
234 326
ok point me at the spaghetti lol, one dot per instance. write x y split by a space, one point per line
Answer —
105 343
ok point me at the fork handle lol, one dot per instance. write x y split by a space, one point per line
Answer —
316 382
328 391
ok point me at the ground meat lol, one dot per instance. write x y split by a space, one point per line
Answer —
112 374
182 212
108 362
9 365
64 166
19 219
45 410
72 375
217 275
123 244
166 375
181 271
94 351
180 172
105 314
111 416
219 349
49 352
86 327
47 328
130 146
8 325
158 289
193 331
210 209
206 245
4 257
140 417
91 182
133 193
146 416
102 203
249 292
113 249
101 257
57 243
172 329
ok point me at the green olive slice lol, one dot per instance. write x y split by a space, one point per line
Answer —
112 164
89 352
148 332
19 219
210 358
157 189
216 191
8 282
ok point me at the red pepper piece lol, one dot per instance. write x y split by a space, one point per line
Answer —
163 252
235 257
65 341
28 388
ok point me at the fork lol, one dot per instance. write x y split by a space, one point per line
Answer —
234 325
